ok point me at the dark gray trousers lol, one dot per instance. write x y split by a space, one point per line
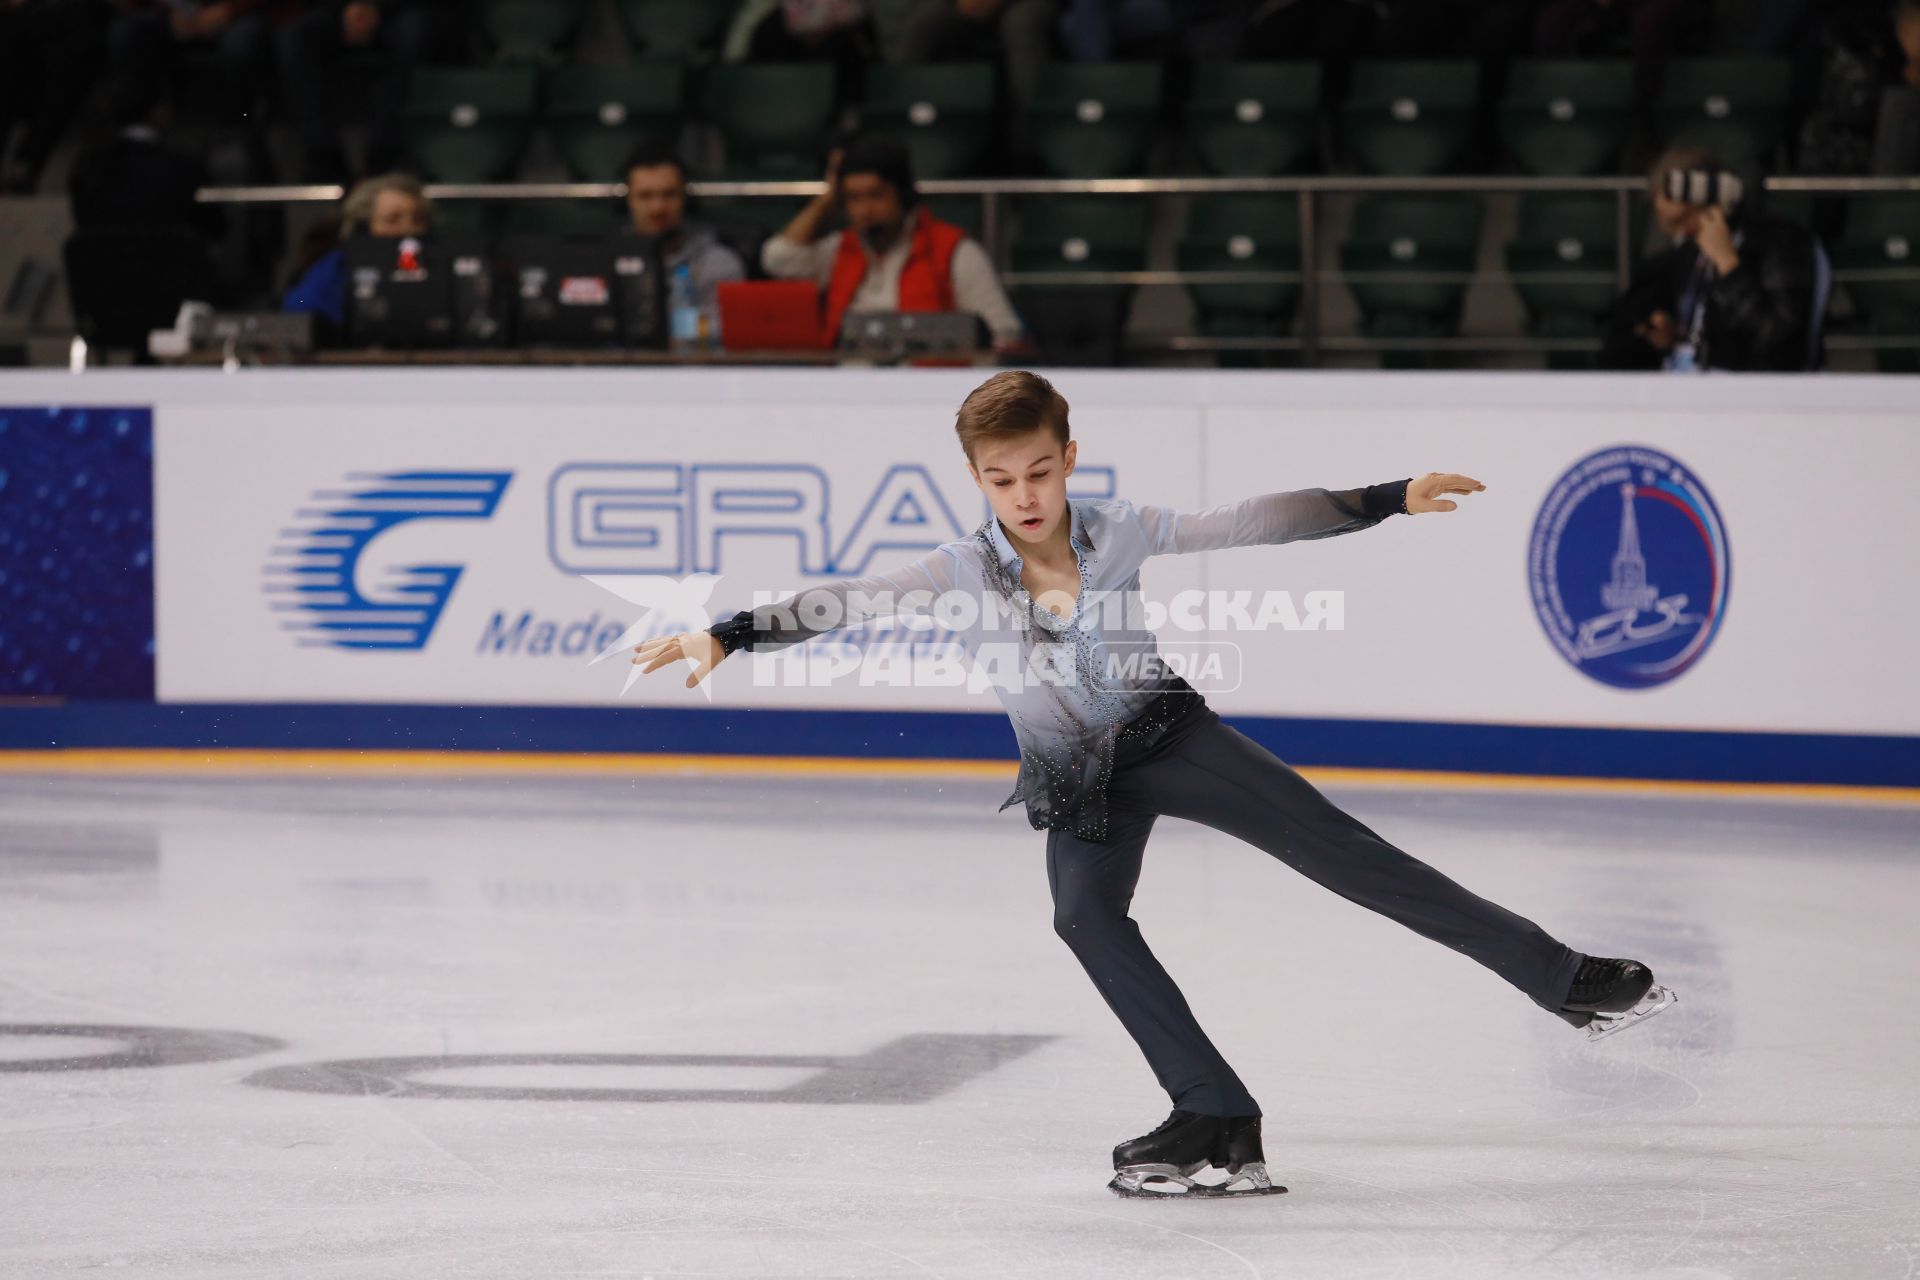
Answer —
1206 771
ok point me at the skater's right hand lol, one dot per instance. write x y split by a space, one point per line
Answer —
704 651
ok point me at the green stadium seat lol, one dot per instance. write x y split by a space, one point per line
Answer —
1802 207
1410 117
761 213
745 222
1877 260
1242 233
1095 120
469 125
1077 324
774 117
531 31
1562 263
1253 119
1565 117
962 211
566 217
1394 234
467 217
1081 233
1735 107
686 30
943 111
597 114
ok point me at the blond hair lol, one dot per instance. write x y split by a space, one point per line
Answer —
356 211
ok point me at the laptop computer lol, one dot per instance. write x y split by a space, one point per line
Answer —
587 291
421 291
913 333
771 315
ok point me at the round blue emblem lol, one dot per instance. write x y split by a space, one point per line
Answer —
1629 567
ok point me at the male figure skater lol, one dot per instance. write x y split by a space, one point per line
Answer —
1106 747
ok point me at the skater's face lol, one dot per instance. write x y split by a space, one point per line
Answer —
1025 478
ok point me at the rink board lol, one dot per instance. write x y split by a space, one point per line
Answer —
454 521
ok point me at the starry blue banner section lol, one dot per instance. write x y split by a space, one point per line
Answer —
76 552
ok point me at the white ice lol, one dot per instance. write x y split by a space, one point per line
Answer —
1429 1121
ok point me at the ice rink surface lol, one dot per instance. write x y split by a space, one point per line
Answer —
544 1026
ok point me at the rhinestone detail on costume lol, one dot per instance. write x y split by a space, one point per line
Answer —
1064 782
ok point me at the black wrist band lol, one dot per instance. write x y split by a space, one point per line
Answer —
734 633
1383 500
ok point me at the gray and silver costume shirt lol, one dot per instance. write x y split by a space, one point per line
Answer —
1065 722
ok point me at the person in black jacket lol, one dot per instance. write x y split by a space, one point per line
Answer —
134 179
1739 290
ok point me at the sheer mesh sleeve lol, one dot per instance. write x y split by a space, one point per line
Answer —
1270 518
815 611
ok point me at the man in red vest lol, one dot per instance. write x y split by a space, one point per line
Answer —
894 255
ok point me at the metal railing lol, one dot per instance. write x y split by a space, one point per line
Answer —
1308 193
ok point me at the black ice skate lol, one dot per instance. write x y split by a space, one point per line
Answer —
1612 995
1162 1163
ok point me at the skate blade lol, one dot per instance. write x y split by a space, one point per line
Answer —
1167 1182
1606 1024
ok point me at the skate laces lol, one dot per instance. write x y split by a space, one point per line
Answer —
1176 1118
1596 977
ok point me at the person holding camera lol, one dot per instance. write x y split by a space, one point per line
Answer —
1738 291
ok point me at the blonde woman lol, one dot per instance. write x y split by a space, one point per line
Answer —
393 204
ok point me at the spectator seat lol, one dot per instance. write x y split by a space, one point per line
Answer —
1567 117
1254 119
530 31
597 114
943 111
1735 107
1095 120
469 125
684 30
773 117
1410 117
1563 263
1242 233
1877 259
1078 323
1394 236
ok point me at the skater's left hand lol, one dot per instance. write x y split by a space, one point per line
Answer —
1424 494
698 647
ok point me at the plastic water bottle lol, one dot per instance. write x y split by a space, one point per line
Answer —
683 316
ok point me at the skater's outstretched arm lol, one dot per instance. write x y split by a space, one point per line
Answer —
1297 514
912 588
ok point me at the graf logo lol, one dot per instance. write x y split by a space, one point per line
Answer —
674 518
316 577
1629 567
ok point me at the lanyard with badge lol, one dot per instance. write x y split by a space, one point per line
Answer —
1698 187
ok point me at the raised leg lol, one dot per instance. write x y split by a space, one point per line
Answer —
1225 780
